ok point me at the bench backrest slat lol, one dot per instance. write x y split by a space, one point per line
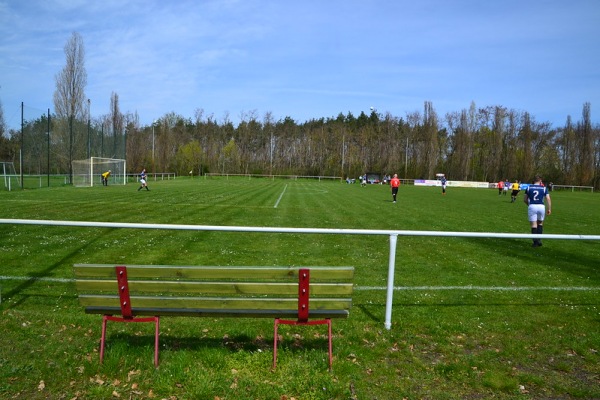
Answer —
193 272
250 288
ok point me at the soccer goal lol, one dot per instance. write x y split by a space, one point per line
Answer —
9 175
89 172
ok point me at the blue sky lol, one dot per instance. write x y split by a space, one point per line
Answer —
306 59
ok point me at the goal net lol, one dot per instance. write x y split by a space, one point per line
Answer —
89 172
9 175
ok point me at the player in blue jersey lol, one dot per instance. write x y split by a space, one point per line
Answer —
143 180
535 195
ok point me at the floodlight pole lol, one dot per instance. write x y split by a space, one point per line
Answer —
102 139
89 150
406 158
153 145
22 143
125 144
343 152
153 171
48 148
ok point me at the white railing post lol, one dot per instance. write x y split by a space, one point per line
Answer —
390 284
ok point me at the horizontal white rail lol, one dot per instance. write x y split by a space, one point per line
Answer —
133 225
393 235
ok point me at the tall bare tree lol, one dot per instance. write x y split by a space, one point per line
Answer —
568 151
525 153
461 145
2 121
4 142
430 128
69 97
116 122
586 137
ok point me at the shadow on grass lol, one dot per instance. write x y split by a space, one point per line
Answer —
375 312
233 343
553 254
371 311
45 273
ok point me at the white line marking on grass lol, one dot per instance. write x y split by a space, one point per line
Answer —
280 196
484 288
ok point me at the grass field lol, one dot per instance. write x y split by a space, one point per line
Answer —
472 318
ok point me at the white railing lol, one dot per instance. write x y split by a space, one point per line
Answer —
152 175
573 187
269 176
393 235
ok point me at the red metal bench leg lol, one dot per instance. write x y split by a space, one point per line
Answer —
103 338
275 343
155 319
127 313
330 344
156 331
304 323
303 316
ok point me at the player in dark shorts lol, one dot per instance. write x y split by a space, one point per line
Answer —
515 191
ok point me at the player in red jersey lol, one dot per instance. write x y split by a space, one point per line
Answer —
395 182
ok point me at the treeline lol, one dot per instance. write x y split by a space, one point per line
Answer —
478 144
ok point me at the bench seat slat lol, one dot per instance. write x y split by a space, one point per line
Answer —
170 287
193 272
217 303
200 312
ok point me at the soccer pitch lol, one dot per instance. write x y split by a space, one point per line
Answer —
471 315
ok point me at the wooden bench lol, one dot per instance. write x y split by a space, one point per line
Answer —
144 293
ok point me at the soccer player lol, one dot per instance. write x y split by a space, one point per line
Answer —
500 187
395 183
105 177
444 182
143 178
515 191
536 210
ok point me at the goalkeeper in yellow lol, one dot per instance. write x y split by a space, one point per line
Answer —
105 177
